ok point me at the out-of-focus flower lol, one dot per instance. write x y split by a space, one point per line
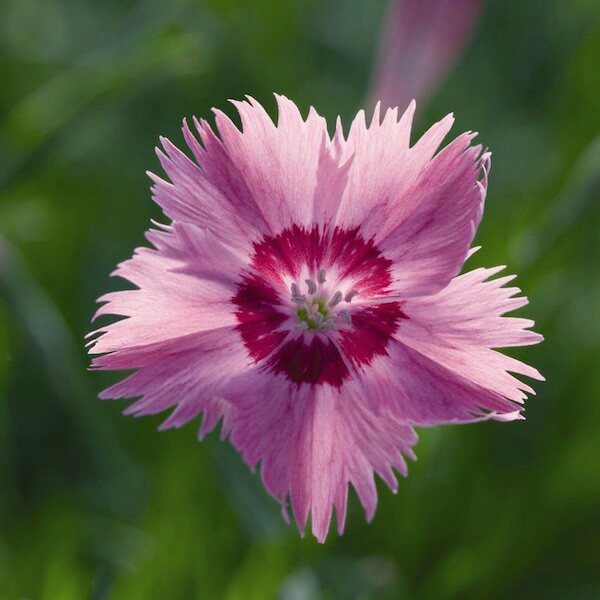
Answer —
422 39
306 292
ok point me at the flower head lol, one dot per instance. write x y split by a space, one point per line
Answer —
306 293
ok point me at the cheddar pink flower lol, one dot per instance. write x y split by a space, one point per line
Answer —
306 293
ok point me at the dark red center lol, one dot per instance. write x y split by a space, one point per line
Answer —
266 322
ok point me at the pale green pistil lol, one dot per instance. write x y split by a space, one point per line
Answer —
315 314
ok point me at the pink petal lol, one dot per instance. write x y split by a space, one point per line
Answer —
193 197
200 252
290 173
421 210
458 326
312 442
171 300
382 166
259 180
429 247
470 311
188 374
419 391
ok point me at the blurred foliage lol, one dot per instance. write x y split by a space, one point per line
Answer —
94 505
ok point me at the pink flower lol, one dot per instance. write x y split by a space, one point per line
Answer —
306 293
422 40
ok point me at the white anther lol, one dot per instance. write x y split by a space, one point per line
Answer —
321 276
351 294
303 325
312 286
335 299
319 319
346 316
299 299
295 290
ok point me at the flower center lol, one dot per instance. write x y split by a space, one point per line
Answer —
317 310
305 329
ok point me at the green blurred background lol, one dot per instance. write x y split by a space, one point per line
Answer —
96 505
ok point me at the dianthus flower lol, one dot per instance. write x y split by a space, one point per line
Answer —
306 293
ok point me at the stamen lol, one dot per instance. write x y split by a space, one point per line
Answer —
315 312
345 316
312 286
335 299
351 294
